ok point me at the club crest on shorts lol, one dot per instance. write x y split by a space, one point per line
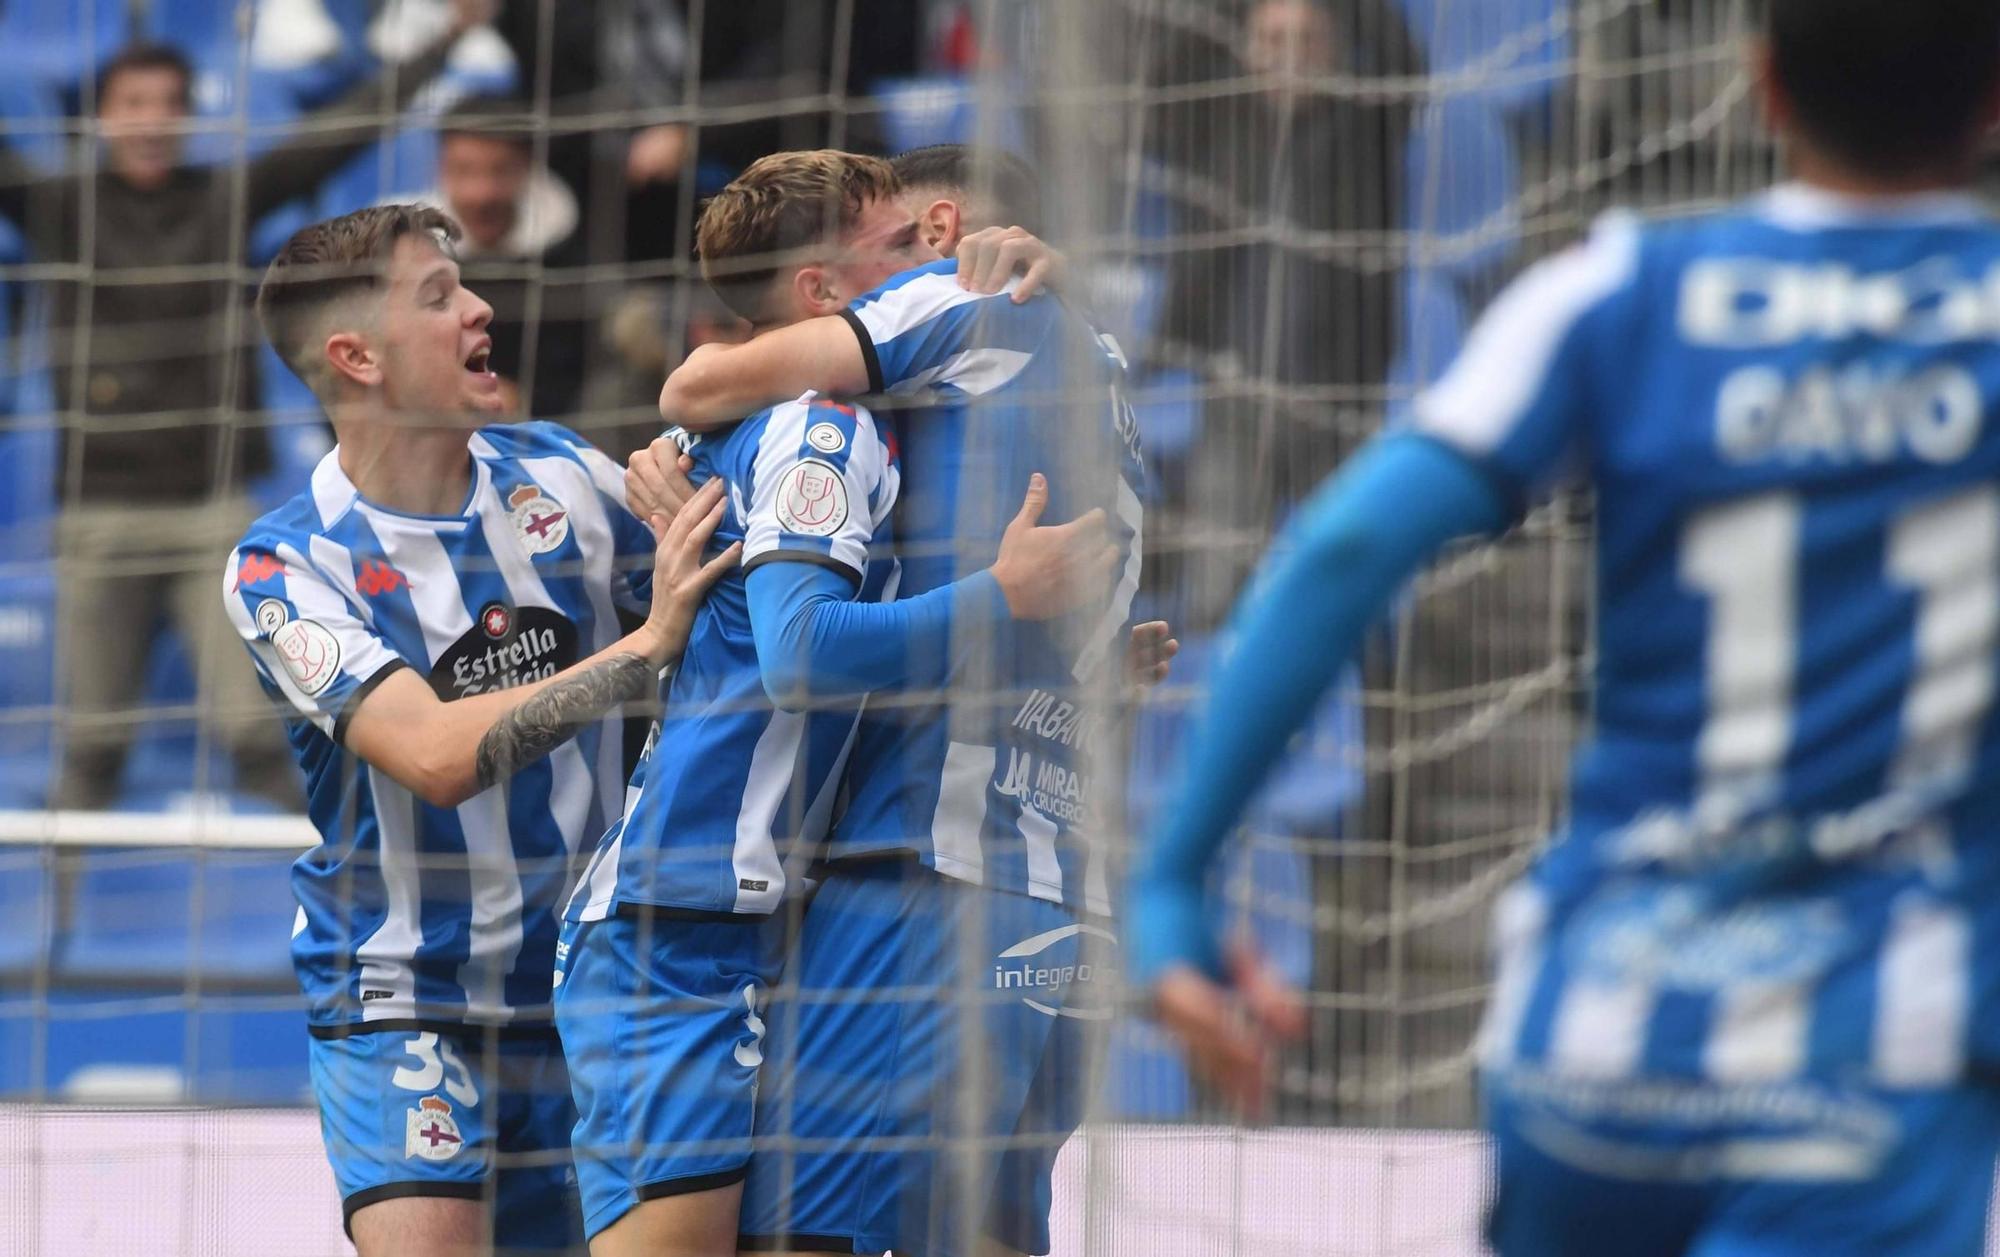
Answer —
310 653
812 499
430 1132
541 522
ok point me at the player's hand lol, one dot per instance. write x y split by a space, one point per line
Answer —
466 14
656 480
680 578
1047 572
1149 654
656 154
987 259
1231 1033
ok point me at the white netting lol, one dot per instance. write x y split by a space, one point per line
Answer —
1287 212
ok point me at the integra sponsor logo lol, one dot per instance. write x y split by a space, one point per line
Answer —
508 646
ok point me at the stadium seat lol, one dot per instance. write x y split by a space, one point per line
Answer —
27 905
167 919
1512 53
27 686
1168 405
32 124
166 757
120 1046
53 42
1463 185
942 109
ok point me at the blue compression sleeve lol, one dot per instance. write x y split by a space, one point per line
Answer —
1351 549
815 642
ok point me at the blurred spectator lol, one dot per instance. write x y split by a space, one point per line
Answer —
1295 182
621 62
520 221
150 377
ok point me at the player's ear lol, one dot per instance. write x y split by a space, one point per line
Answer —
814 290
939 225
349 357
1770 92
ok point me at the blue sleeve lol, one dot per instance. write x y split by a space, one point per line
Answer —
922 331
1360 538
815 642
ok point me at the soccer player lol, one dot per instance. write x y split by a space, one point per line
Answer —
1747 1002
440 612
674 935
946 967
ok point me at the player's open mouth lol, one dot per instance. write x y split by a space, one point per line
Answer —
476 363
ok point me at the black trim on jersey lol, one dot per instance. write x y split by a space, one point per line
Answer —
361 691
396 1191
804 556
691 1184
796 1243
643 912
1513 495
875 384
467 1031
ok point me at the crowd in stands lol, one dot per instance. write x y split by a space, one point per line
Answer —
155 154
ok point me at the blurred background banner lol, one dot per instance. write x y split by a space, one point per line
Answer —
1285 212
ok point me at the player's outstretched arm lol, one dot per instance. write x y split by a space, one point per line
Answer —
815 643
1363 535
447 752
719 384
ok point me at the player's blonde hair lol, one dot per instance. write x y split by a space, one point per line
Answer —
327 262
782 205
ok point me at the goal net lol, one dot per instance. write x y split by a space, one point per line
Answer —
1286 212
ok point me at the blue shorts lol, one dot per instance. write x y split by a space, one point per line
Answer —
661 1019
936 1052
1700 1170
467 1113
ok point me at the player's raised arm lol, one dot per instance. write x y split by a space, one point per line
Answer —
335 671
720 384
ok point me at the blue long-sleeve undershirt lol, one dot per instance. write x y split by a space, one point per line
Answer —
1354 545
814 642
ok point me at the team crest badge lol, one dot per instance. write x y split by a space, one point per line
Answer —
541 522
812 499
430 1132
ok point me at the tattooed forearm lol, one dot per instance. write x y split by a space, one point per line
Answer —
555 715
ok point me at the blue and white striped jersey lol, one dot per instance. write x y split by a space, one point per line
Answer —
1783 853
409 911
993 781
732 791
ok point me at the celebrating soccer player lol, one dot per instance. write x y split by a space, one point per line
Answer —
935 1058
672 940
1748 1001
440 612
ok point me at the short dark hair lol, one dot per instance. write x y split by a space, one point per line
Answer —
754 228
147 55
506 118
1004 179
1887 88
331 260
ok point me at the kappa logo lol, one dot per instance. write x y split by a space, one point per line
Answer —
257 568
377 578
310 653
541 522
1052 982
430 1131
812 499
